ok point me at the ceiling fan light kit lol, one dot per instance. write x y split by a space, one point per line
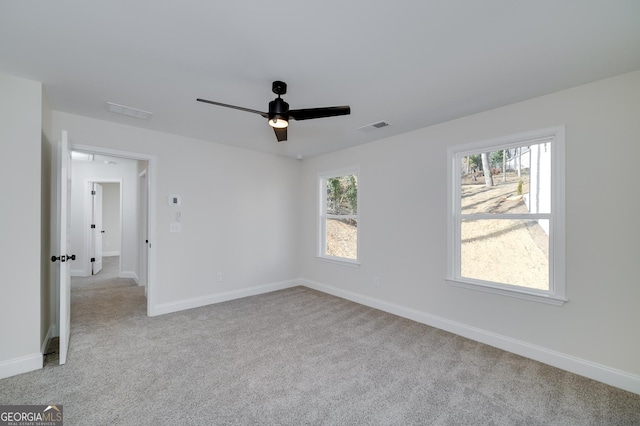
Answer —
278 123
279 114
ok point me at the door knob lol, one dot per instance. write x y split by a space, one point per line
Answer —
63 258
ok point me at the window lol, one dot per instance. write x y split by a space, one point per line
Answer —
338 215
506 221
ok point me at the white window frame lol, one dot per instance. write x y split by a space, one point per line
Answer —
323 216
556 295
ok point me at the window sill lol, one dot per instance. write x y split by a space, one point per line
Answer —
340 261
519 294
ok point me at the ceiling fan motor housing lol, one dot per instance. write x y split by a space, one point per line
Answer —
278 109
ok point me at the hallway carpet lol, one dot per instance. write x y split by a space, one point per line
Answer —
106 278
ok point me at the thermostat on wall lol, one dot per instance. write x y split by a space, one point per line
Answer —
174 200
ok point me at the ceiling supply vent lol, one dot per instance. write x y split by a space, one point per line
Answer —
129 112
380 124
374 126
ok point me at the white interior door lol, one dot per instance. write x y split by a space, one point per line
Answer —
63 236
96 265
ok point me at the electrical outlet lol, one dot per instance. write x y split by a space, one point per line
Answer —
376 281
219 277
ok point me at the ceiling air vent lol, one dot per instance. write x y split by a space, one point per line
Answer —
128 111
374 126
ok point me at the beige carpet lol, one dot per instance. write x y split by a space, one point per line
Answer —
107 277
297 357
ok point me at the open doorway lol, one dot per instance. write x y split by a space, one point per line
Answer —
105 216
123 240
100 266
63 213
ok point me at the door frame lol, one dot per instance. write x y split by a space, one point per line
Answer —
143 224
151 212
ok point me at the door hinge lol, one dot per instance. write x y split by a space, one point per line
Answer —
93 192
93 226
93 259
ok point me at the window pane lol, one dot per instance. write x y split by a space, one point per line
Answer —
342 195
342 238
514 180
506 251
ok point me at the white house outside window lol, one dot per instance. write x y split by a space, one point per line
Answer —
506 221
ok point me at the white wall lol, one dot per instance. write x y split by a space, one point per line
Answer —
239 213
20 251
82 172
403 230
111 219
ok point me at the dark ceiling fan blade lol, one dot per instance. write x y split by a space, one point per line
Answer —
281 134
309 113
264 114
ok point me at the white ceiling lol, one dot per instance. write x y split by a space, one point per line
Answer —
412 63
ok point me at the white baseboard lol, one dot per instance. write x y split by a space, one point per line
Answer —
20 365
110 253
611 376
166 308
78 273
130 274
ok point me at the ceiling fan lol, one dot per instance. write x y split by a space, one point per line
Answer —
279 113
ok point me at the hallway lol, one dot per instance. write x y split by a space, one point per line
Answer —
99 301
106 278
